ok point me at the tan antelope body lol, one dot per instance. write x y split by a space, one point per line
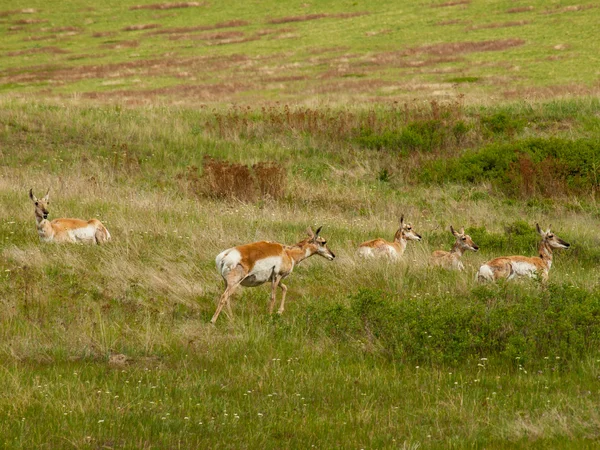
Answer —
511 267
66 230
393 250
255 264
451 259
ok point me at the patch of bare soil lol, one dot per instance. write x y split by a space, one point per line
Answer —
453 22
102 34
121 44
29 21
519 9
572 8
169 5
516 23
452 48
307 17
31 51
217 26
146 26
453 3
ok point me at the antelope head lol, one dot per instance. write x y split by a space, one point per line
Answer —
551 239
463 240
406 231
318 245
41 205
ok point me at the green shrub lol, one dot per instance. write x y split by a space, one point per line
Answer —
502 123
501 322
531 167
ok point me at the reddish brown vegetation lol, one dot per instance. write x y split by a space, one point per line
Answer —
29 21
168 5
147 26
519 9
30 51
222 179
452 22
452 48
453 3
546 178
121 44
307 17
572 8
517 23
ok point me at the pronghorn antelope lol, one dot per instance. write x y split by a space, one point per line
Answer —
66 230
254 264
510 267
451 259
393 250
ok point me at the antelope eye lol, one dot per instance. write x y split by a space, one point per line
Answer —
464 239
36 203
324 242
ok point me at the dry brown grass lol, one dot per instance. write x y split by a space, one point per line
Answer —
453 22
169 5
307 17
31 51
452 48
453 3
516 23
29 21
121 44
184 30
102 34
147 26
572 8
227 180
519 9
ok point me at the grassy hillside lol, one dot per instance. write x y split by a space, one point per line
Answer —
207 52
483 115
111 346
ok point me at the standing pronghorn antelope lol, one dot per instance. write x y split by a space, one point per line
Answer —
66 230
254 264
393 250
451 259
510 267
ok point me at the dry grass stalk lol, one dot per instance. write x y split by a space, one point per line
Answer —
168 5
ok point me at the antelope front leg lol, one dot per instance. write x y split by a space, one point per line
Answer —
284 291
274 282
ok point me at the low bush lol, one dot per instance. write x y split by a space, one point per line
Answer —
505 323
526 168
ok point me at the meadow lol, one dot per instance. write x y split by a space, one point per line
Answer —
111 347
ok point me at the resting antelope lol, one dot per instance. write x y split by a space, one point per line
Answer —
510 267
451 259
254 264
393 250
66 230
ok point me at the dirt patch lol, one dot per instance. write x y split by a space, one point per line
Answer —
217 26
571 8
452 48
453 22
146 26
454 3
29 21
273 31
102 34
32 51
46 37
516 23
169 5
519 9
308 17
121 44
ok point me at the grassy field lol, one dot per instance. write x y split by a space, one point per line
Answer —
472 114
213 52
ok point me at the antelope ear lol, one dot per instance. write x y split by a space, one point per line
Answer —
453 231
318 231
31 196
47 196
401 220
539 230
310 233
462 230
